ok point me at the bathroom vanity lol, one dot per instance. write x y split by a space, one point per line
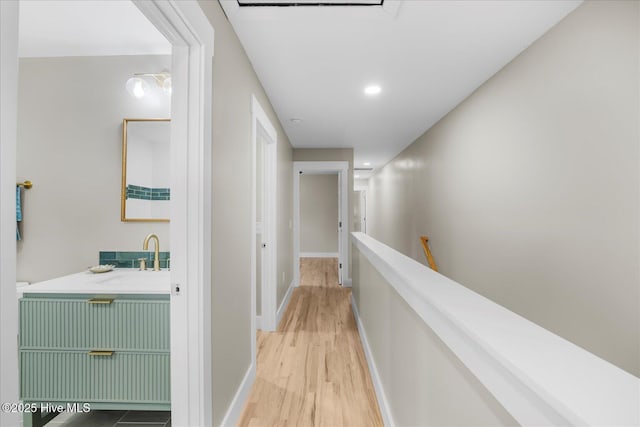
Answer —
96 339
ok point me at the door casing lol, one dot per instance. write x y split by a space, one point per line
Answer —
342 169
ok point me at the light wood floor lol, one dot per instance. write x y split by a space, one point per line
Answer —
320 272
312 370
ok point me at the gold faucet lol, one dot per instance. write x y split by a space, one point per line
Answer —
145 247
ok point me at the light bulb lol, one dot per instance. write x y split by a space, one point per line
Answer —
166 86
137 87
372 90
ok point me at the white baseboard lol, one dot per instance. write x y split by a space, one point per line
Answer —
319 255
258 322
346 283
284 304
383 403
232 416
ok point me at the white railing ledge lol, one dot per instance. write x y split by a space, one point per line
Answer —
539 377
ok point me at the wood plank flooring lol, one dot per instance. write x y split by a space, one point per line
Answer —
312 371
319 272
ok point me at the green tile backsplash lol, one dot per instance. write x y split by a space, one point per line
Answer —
146 193
130 259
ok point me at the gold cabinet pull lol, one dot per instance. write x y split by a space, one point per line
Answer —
101 353
100 301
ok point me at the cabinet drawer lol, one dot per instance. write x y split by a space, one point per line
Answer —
74 323
76 376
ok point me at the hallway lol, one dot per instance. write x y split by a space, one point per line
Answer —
312 370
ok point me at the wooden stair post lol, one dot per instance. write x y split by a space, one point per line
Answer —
427 252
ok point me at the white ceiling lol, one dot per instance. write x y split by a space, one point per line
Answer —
427 56
86 28
314 62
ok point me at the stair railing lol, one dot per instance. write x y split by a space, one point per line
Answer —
427 252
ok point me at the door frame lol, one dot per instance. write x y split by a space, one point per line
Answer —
189 31
363 212
9 391
269 231
342 169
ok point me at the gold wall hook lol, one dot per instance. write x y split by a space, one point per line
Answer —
27 184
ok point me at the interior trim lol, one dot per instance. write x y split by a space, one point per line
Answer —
383 402
242 394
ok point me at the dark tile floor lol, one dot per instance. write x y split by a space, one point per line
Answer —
113 419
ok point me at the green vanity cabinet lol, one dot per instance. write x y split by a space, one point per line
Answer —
109 351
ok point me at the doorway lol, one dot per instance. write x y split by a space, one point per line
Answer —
341 224
186 27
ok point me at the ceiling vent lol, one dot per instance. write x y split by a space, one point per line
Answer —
297 3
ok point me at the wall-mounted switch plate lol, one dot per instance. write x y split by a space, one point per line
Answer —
175 289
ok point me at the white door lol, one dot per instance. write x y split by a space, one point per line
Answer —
261 243
340 225
363 211
263 256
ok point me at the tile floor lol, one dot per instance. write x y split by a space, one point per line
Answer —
113 419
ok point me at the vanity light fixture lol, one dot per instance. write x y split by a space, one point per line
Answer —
137 85
166 85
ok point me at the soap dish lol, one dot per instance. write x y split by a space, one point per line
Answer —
101 268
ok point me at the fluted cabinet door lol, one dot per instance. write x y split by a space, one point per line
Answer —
74 376
75 323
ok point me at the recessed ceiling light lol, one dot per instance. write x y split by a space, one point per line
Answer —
367 163
356 176
296 120
372 90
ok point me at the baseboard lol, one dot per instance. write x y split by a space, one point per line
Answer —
258 322
319 255
232 416
383 404
284 304
346 283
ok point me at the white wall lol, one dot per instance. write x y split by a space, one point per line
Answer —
69 144
234 81
529 189
319 213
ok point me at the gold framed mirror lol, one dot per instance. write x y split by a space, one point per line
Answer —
146 192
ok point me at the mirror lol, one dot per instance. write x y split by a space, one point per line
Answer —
145 170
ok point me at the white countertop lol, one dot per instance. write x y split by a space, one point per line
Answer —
118 281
